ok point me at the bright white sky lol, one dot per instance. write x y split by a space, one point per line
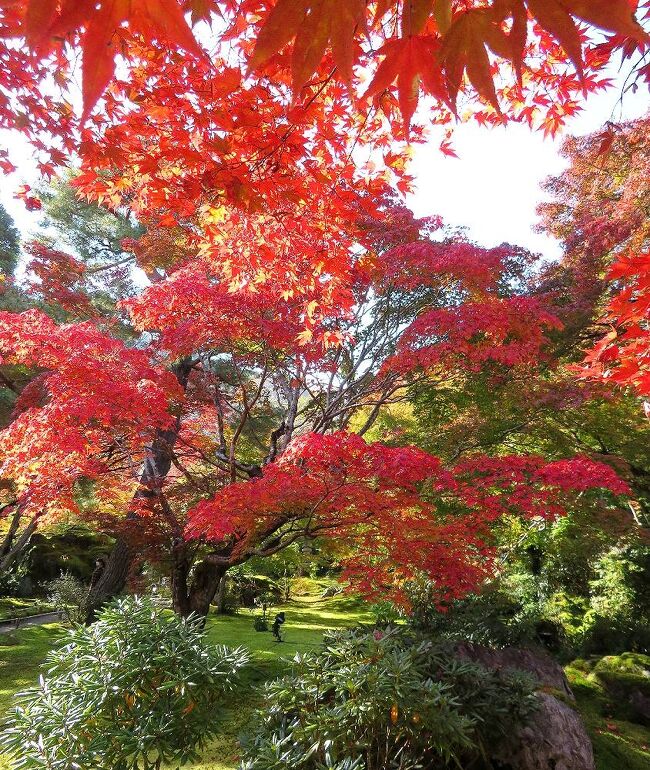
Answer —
493 187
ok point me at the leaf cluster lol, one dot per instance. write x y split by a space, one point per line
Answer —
137 689
385 699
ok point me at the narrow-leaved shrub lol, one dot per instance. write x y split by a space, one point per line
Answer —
138 688
385 700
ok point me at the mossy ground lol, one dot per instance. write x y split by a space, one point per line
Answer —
619 743
599 685
20 608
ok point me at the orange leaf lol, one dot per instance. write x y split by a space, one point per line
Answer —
305 337
555 19
409 61
350 18
201 9
414 16
98 59
102 23
313 24
442 14
310 44
463 49
167 16
381 9
517 36
38 19
613 15
281 26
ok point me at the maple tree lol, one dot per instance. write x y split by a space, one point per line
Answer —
229 433
597 210
597 204
600 211
424 43
621 356
287 296
288 108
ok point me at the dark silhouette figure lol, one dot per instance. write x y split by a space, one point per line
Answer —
275 628
100 566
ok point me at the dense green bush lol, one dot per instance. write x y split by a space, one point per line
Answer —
503 615
618 618
374 701
137 689
611 615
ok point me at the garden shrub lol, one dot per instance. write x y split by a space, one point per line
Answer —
68 594
514 611
386 699
138 688
619 616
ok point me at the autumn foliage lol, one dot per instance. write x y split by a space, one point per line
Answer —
255 439
621 356
599 213
428 44
220 413
405 514
92 392
263 113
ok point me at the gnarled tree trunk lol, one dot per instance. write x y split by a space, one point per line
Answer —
220 596
206 580
156 467
194 586
14 544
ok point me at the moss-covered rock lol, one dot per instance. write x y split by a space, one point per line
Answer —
626 678
620 741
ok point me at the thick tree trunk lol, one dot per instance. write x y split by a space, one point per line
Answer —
180 570
156 467
193 595
110 581
13 548
206 580
220 596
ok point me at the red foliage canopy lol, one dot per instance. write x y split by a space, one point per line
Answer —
95 395
622 356
403 512
599 210
424 43
262 171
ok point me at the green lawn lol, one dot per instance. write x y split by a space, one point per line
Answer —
22 652
306 620
619 744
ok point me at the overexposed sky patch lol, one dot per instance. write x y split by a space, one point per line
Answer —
493 188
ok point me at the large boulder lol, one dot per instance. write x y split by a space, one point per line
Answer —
555 738
542 666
